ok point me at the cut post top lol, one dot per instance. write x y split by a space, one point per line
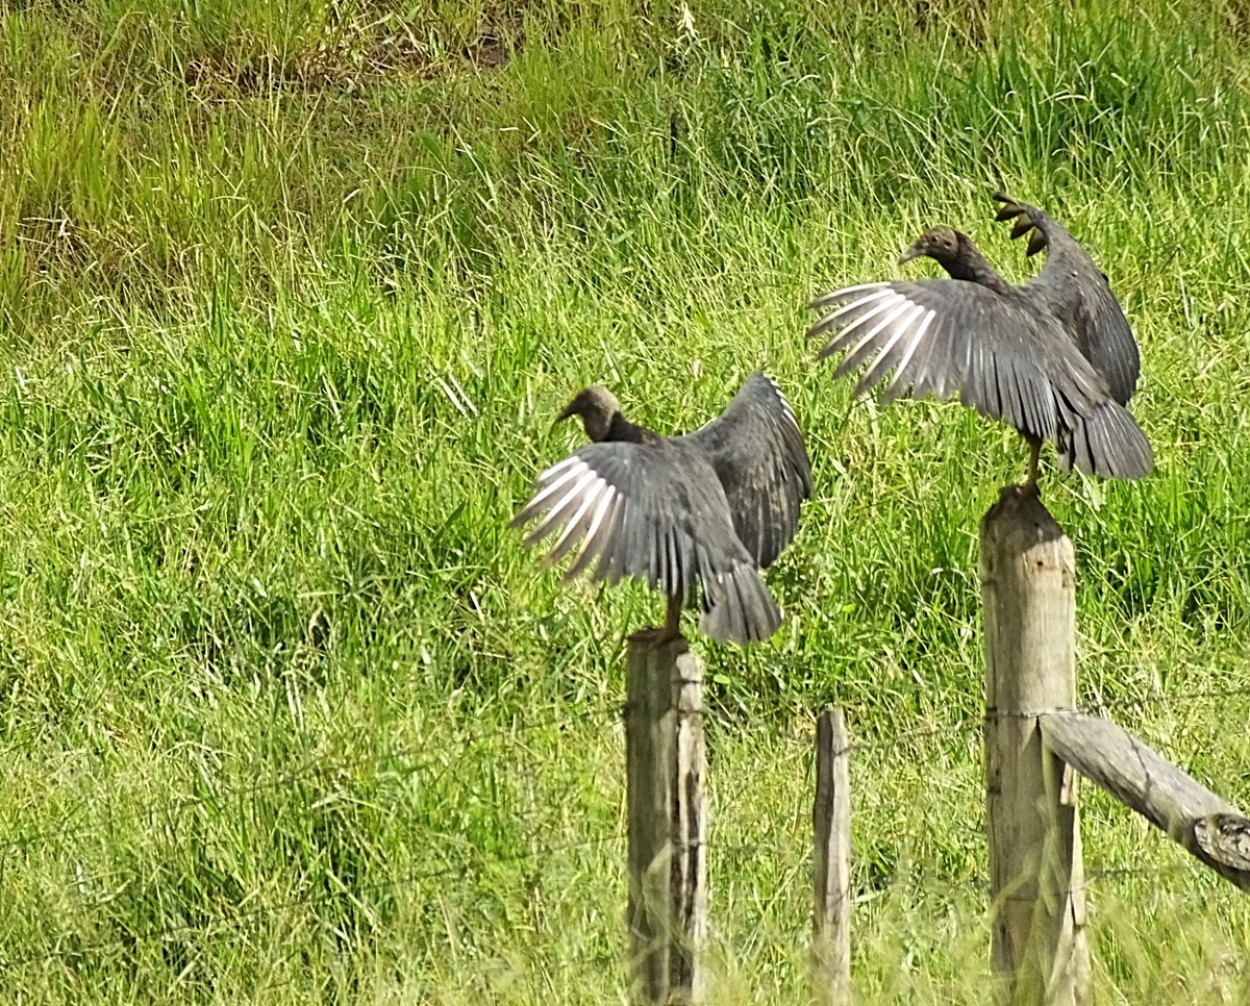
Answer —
1019 521
653 638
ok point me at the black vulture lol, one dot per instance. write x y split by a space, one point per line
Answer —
1053 357
709 509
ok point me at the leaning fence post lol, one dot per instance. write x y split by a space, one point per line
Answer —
667 820
831 864
1039 953
1210 827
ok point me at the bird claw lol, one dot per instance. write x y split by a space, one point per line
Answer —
664 636
657 637
1020 491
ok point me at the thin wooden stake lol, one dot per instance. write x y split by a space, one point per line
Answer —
689 874
1039 951
831 818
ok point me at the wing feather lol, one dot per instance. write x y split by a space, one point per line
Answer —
1073 288
1002 355
757 451
950 336
657 513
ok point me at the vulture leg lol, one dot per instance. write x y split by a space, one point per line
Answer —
672 623
1035 454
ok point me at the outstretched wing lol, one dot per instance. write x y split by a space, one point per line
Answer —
1004 359
657 513
942 336
758 453
1077 292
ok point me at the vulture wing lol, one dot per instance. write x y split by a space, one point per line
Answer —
657 513
1073 289
757 450
1006 359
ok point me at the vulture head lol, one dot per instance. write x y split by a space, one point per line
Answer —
597 406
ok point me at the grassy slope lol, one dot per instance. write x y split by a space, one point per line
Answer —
289 296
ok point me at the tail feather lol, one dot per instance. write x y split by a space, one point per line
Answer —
739 608
1108 443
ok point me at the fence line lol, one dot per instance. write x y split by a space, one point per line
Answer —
1170 697
1114 872
1090 705
18 841
316 767
291 904
926 884
885 743
311 770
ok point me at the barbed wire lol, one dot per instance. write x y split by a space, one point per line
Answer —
1184 695
319 766
292 904
918 733
1116 872
313 769
976 884
1093 706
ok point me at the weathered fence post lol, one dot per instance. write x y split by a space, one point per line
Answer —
666 820
1039 953
689 817
831 863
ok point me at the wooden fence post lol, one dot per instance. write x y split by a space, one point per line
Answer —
831 863
667 820
1039 952
689 818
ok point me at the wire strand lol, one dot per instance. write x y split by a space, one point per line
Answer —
318 767
312 769
266 911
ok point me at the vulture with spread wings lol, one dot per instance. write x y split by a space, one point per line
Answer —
1053 357
689 515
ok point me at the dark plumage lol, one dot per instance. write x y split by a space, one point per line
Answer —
1054 357
709 509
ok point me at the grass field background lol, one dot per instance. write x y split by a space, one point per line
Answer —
289 296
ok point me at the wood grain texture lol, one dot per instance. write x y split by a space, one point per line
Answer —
831 863
1138 776
1039 951
689 822
649 754
667 814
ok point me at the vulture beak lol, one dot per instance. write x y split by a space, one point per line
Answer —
569 412
915 251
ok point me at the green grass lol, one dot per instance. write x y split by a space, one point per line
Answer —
289 296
